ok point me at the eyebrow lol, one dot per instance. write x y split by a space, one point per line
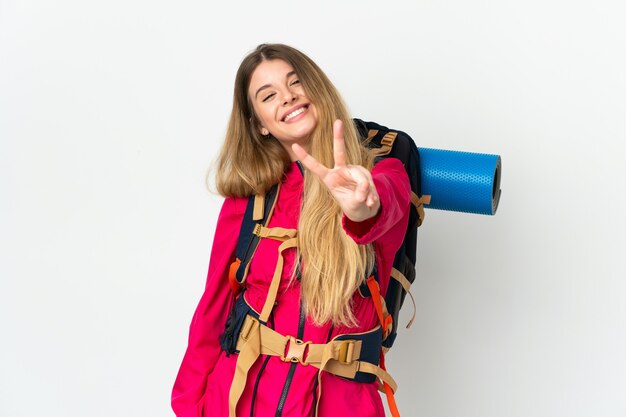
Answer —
263 87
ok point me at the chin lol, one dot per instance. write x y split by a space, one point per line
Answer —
303 133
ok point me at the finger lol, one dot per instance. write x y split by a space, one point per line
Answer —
366 190
362 192
339 146
362 188
309 162
372 198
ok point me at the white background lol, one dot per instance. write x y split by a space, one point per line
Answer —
111 112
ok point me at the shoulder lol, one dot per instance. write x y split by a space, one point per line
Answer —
391 168
388 164
232 210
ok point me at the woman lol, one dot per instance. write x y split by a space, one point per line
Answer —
339 220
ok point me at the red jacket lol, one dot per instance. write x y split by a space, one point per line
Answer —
274 387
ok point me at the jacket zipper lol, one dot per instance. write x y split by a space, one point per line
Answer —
256 385
292 368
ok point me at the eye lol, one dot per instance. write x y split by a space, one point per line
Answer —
294 82
269 96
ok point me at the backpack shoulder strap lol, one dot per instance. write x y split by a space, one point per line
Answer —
258 213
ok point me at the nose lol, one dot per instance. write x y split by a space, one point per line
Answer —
289 96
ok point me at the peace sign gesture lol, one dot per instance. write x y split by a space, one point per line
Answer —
351 185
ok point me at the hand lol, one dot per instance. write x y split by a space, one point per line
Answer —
351 185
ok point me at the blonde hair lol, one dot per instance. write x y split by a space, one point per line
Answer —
333 265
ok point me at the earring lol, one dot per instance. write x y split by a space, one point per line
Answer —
265 132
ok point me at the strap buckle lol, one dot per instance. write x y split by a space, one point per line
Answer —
346 352
296 350
248 325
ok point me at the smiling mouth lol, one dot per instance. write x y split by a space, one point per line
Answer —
295 113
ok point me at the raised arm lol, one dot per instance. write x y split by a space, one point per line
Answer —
373 203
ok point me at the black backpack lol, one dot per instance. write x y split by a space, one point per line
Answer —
384 143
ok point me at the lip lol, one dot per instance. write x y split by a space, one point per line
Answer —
291 110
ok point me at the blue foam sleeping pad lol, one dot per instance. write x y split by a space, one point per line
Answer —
467 182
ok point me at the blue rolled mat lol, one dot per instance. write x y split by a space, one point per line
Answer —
467 182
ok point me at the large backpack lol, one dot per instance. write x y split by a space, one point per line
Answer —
384 143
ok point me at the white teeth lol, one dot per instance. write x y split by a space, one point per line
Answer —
294 113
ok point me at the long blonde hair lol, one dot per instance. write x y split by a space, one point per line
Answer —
333 265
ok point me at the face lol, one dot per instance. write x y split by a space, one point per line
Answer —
281 105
